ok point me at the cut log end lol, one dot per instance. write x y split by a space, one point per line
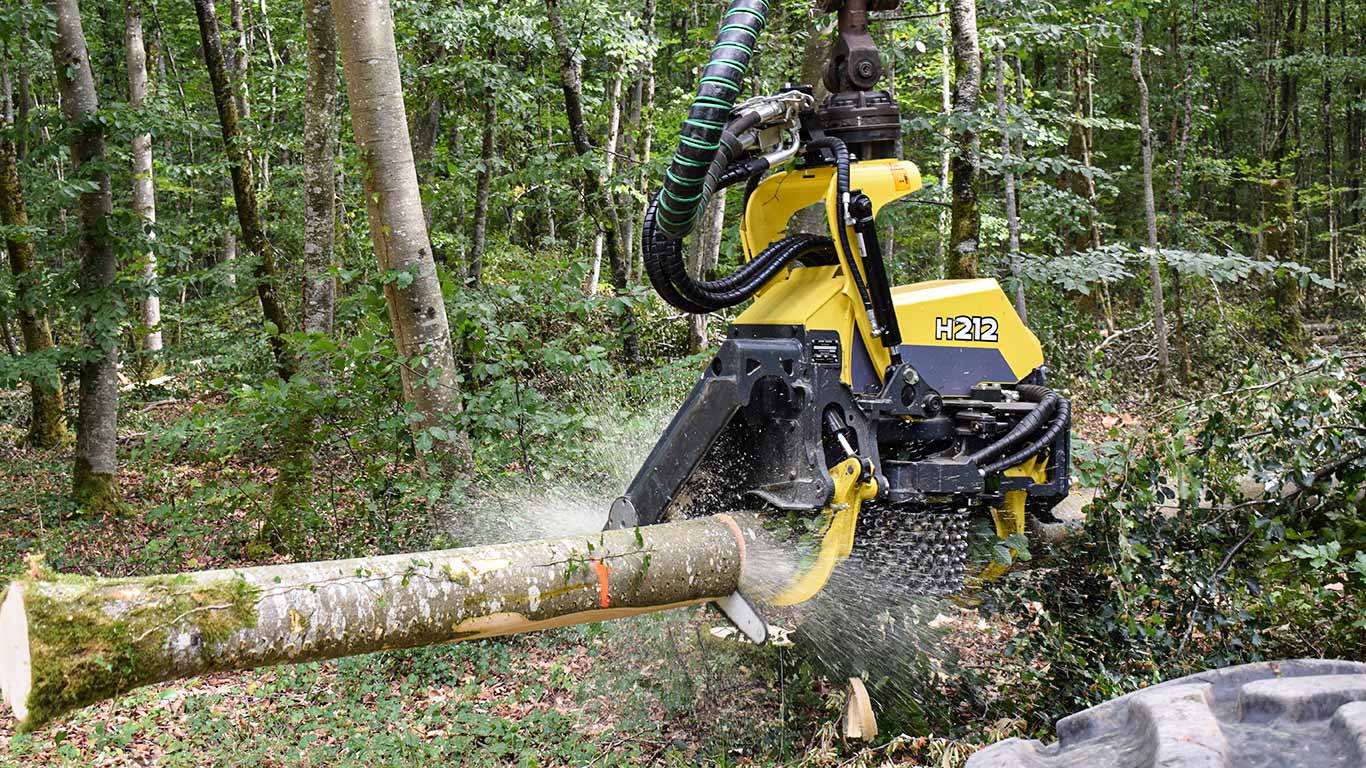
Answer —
16 677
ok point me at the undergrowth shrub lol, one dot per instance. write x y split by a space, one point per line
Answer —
1234 532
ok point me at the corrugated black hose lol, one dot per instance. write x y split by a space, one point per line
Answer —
1061 421
1032 422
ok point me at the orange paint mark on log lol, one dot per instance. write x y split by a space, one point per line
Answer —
602 570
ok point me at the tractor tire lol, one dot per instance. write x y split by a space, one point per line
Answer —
1286 714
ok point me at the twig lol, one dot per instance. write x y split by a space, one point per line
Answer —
1317 366
910 16
176 620
1118 334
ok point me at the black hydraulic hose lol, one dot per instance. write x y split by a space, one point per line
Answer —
1048 402
1063 420
665 264
841 152
658 251
699 141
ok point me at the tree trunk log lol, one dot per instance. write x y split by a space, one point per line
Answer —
72 641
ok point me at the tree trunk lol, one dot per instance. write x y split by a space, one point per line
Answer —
1286 295
621 271
144 188
645 141
571 84
1007 161
95 477
294 484
398 229
228 255
1150 210
24 96
1279 202
73 641
241 54
483 186
1328 143
941 245
965 216
811 220
703 256
10 346
238 152
47 425
320 176
1177 204
599 202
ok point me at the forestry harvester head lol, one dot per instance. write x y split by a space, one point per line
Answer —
889 415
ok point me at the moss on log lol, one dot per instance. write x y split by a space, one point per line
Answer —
70 641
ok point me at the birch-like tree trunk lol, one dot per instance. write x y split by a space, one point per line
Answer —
946 136
1008 171
483 187
965 215
241 54
571 85
95 476
47 424
609 170
264 272
227 254
703 257
398 229
812 219
144 187
1150 209
68 642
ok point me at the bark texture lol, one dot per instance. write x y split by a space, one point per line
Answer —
144 187
95 476
1145 136
703 257
294 485
1012 214
47 425
72 641
965 216
483 186
417 310
249 220
320 179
